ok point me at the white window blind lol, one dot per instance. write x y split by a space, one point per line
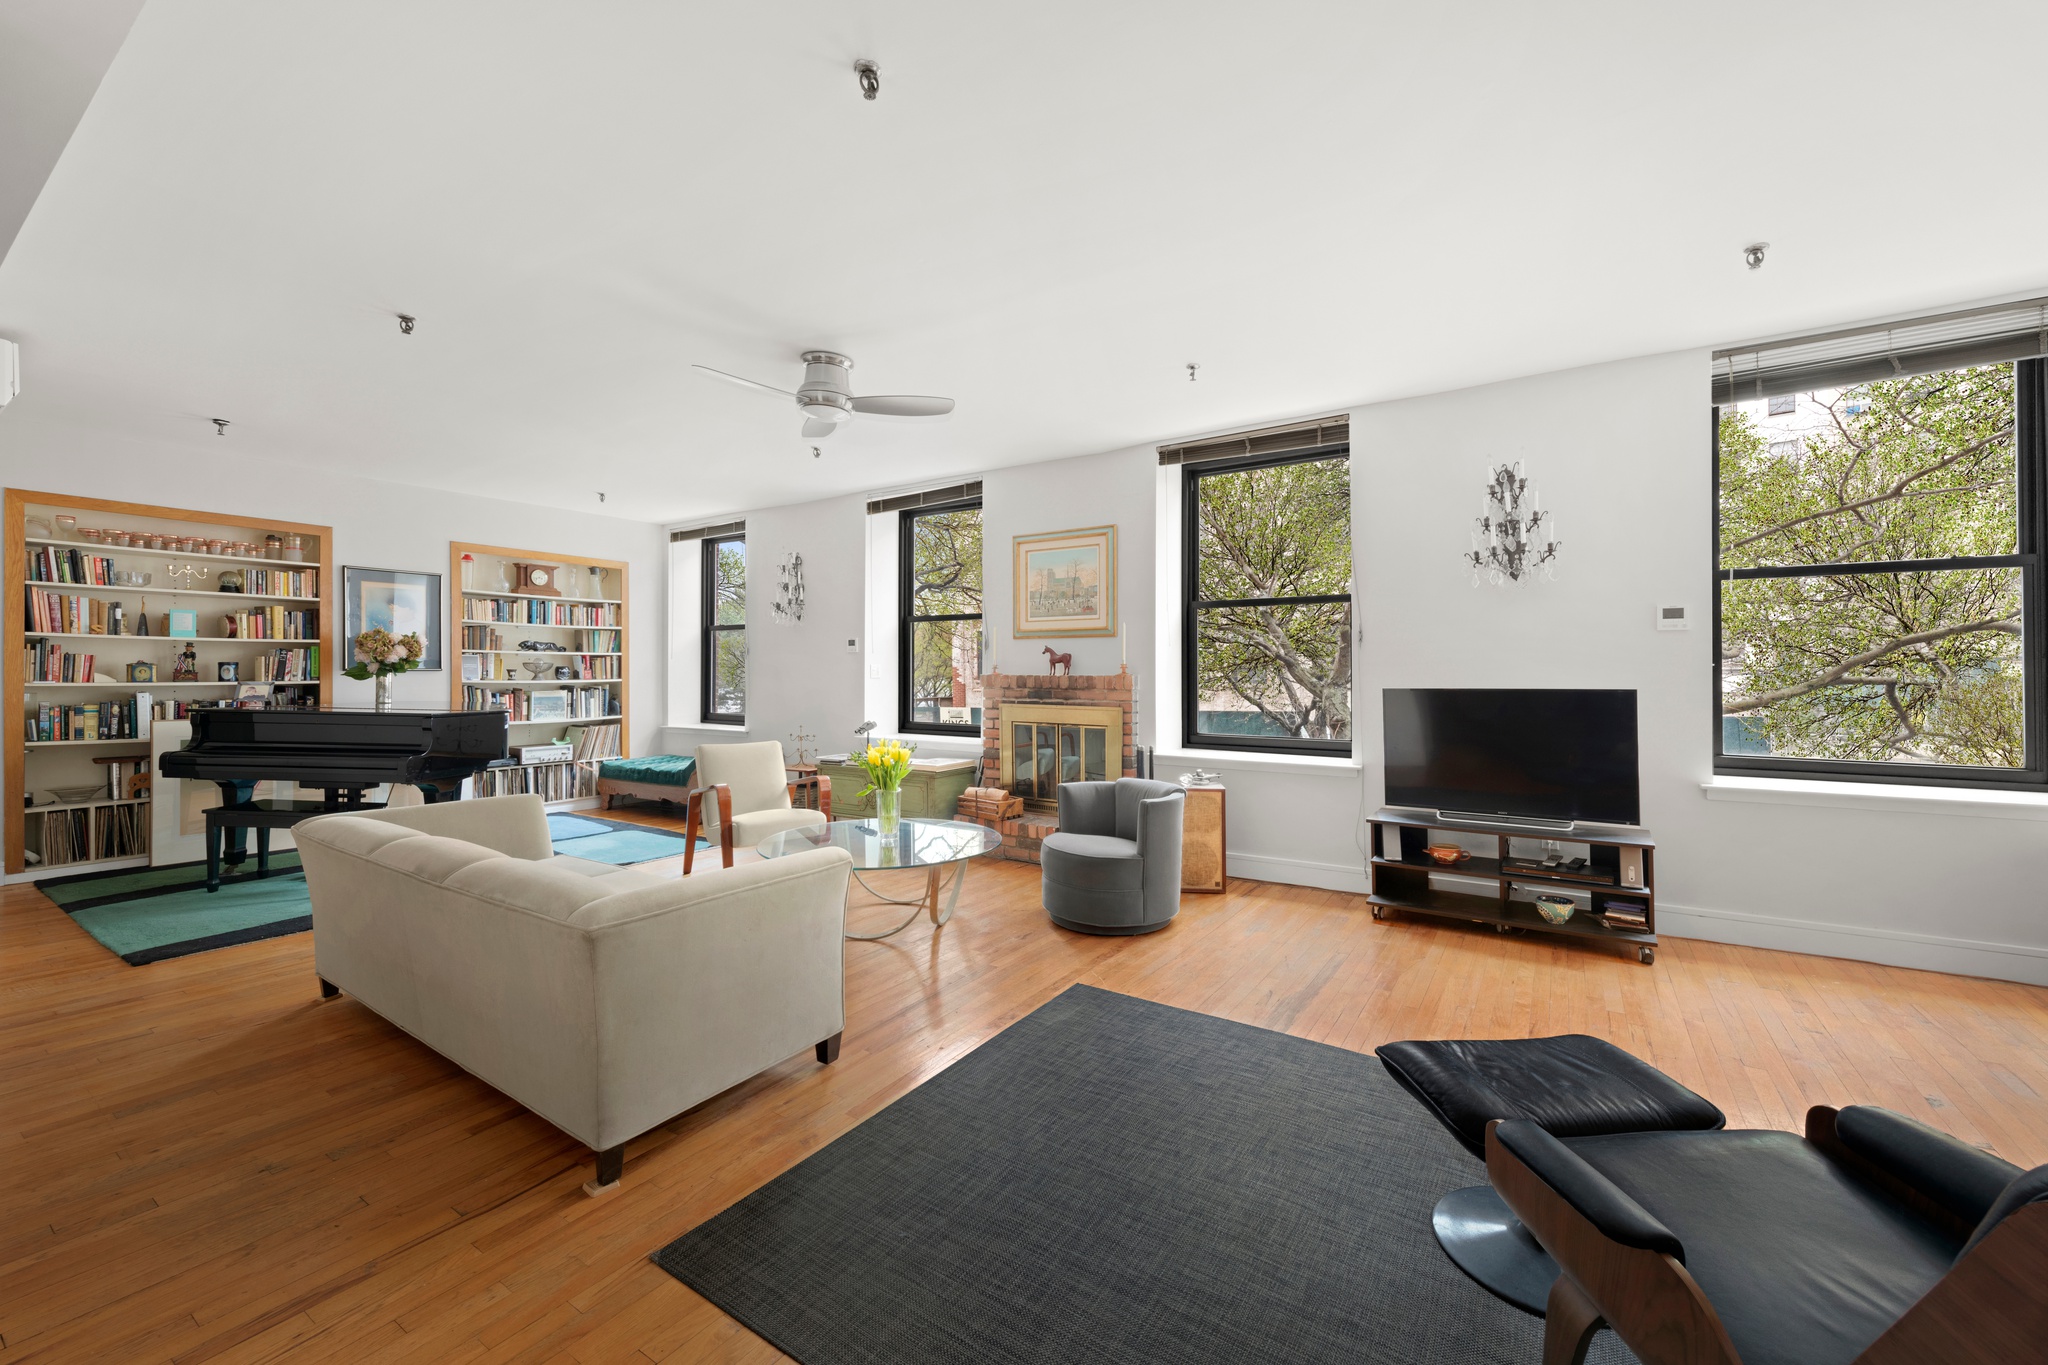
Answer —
1856 355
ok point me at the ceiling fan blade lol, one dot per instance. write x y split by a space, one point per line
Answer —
813 428
746 383
903 405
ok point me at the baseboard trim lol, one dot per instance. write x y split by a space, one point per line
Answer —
1257 867
1887 947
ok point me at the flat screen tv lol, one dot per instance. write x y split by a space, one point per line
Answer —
1519 753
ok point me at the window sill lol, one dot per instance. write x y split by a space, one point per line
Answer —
711 728
1898 798
1301 765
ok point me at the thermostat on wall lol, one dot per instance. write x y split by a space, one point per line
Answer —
1672 618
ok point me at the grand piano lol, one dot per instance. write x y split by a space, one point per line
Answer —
343 752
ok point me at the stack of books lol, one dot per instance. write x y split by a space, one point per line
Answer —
1624 915
989 805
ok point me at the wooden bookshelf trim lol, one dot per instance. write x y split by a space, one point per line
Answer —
13 673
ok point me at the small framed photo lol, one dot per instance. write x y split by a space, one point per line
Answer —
182 625
229 672
400 601
141 672
550 705
252 696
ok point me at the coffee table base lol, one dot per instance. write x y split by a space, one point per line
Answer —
928 902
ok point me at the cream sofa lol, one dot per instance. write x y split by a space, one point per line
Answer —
605 1000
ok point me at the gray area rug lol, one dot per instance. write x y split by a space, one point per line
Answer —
1115 1180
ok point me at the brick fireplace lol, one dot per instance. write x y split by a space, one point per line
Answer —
1063 724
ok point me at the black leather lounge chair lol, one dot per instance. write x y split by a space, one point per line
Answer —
1872 1240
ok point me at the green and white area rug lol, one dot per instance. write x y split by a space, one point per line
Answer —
150 914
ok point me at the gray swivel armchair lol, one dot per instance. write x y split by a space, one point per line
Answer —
1114 866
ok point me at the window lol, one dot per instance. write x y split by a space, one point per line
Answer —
725 630
1266 574
1782 405
938 670
1878 594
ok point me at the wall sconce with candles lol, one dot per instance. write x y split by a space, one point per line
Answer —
1513 539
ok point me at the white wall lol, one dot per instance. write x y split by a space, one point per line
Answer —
390 526
800 676
1621 454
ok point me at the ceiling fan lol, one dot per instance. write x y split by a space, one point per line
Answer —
826 399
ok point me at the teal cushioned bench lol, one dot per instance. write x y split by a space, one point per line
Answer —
657 777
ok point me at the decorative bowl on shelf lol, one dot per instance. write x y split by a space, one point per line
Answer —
1447 854
72 795
1556 909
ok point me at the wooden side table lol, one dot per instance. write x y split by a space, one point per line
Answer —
1202 843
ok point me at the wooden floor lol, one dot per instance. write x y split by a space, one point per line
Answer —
199 1161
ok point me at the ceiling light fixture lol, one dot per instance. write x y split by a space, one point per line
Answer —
405 322
1753 254
220 425
870 78
1192 367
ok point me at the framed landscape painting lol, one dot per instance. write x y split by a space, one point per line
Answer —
400 601
1066 583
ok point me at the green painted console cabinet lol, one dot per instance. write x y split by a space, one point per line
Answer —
931 792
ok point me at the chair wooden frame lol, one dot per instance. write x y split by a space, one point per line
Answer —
1988 1309
722 794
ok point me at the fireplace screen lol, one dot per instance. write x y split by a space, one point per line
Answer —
1043 756
1047 743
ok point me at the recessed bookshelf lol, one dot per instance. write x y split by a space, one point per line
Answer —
587 624
280 609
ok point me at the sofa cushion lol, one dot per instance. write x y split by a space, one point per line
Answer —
1092 862
660 770
751 828
1804 1264
353 833
432 857
614 879
537 886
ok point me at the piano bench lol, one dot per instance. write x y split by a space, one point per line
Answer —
657 777
263 817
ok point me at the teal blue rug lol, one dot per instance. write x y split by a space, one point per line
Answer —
152 914
615 841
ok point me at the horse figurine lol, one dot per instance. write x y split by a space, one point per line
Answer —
1056 664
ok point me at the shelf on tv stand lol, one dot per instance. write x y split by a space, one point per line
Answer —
1496 895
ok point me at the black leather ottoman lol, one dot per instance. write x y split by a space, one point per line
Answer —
1573 1085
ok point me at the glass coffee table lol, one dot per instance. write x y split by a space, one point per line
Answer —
930 845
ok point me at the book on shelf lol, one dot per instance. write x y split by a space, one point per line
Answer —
60 723
530 611
47 662
59 564
121 775
565 703
271 623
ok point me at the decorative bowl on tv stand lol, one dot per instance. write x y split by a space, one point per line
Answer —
1449 855
1556 909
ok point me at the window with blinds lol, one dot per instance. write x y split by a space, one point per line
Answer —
1879 525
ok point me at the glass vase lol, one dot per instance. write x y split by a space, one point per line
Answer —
889 810
383 691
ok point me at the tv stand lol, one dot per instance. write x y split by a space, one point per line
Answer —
1500 894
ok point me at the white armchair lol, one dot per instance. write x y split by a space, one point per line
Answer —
744 794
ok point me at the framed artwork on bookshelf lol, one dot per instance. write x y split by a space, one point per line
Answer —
398 600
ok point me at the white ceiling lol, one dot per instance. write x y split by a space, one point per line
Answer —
1049 211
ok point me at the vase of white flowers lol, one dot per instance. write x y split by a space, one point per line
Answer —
381 655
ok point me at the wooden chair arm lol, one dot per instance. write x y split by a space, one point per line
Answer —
1988 1309
722 794
1647 1297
